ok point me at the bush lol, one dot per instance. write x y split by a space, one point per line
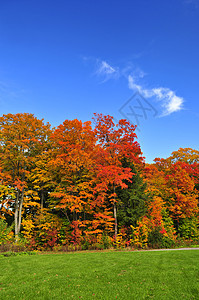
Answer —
155 238
189 229
167 242
85 245
6 233
106 241
13 247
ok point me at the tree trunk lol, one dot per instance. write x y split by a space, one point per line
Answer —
42 200
16 216
65 213
20 211
115 217
115 212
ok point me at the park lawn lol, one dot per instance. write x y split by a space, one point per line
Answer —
101 275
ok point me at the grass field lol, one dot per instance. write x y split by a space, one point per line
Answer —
101 275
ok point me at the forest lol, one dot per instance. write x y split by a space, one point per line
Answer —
86 185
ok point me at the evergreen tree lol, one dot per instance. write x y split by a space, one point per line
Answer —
132 201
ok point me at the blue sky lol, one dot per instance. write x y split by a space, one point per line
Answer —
68 59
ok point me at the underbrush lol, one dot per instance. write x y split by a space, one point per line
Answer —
13 249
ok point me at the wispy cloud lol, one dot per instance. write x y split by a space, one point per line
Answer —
170 102
105 68
106 71
168 99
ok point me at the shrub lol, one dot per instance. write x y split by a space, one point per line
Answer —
158 239
189 229
6 233
155 238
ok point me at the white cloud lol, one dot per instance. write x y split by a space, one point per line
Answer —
169 101
105 69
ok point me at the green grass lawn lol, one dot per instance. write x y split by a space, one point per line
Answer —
101 275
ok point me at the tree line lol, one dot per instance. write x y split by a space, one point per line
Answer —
86 184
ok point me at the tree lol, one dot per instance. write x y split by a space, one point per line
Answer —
72 166
132 201
175 183
22 138
117 141
183 199
191 159
187 155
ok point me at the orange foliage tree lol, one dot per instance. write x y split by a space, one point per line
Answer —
73 167
116 141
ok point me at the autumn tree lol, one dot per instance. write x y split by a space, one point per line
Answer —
183 200
187 155
22 138
191 159
175 183
117 141
40 178
72 165
7 195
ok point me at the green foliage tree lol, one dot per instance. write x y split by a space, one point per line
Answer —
132 200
